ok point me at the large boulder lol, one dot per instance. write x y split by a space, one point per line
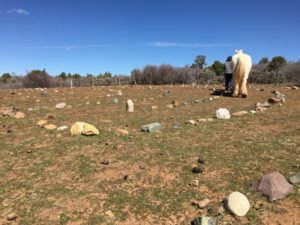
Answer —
83 128
273 185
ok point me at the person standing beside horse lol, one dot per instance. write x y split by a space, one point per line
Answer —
228 74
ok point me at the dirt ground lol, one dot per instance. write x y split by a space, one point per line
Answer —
51 177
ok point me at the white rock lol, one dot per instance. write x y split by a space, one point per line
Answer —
129 106
62 128
238 203
60 105
223 113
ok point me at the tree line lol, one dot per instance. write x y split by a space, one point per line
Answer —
276 70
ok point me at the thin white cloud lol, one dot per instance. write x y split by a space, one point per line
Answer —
70 47
18 11
187 45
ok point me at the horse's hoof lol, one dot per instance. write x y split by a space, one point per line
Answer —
244 96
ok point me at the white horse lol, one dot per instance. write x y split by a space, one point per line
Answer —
241 65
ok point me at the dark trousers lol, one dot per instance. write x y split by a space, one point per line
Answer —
228 81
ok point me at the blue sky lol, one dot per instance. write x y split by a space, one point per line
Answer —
94 36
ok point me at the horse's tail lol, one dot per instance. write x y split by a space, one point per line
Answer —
240 68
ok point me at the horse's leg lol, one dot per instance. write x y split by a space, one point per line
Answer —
243 90
236 88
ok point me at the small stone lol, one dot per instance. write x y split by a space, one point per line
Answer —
44 94
9 131
12 216
240 113
106 162
216 97
122 132
252 111
175 103
154 107
197 170
41 123
295 179
142 167
110 214
204 220
185 103
222 113
60 105
201 161
195 183
19 115
295 87
260 109
115 101
98 103
210 99
50 127
203 203
199 101
274 100
169 106
152 127
238 203
193 122
62 128
176 126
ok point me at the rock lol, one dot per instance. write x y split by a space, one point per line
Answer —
204 220
62 128
266 104
176 126
169 106
222 113
197 170
105 162
201 161
42 122
44 94
50 127
115 101
142 167
154 107
152 127
185 103
274 100
199 101
120 93
122 132
60 105
193 122
238 204
202 204
273 185
295 87
129 106
252 111
98 103
12 216
216 97
260 109
175 103
240 113
195 183
9 131
19 115
295 179
110 214
6 110
83 128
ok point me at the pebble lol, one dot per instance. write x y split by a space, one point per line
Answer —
222 113
195 183
204 220
152 127
197 170
60 105
193 122
62 128
295 179
12 216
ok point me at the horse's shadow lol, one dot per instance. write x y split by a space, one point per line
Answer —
221 92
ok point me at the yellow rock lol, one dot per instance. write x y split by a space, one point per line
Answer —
83 128
41 123
122 132
50 127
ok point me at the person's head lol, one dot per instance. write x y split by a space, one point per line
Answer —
228 59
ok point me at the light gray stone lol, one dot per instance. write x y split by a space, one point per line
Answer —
238 203
295 179
60 105
152 127
129 106
222 113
